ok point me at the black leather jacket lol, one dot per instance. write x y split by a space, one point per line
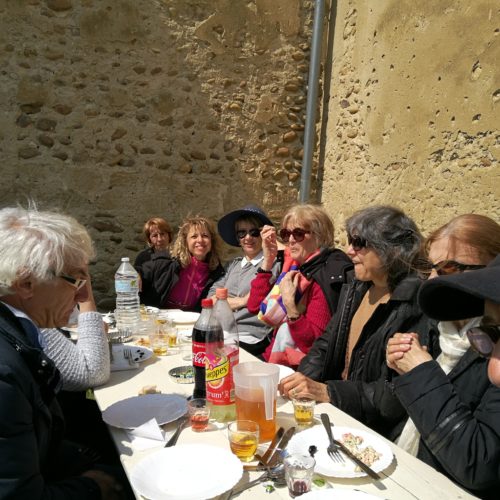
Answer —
31 424
161 273
326 359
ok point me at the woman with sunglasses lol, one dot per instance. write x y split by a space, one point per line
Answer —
241 228
346 362
300 304
453 408
181 279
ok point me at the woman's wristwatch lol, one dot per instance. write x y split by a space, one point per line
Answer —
263 271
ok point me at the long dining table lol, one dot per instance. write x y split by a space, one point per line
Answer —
406 478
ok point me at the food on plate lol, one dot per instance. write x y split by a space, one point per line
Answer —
368 455
149 389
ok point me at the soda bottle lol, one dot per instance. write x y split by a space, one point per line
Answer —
127 314
206 323
222 355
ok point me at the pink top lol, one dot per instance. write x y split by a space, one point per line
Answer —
186 293
308 327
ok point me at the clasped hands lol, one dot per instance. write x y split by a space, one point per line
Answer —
404 352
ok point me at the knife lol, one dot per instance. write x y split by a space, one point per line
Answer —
281 446
326 422
272 447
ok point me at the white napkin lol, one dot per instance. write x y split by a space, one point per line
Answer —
148 435
119 362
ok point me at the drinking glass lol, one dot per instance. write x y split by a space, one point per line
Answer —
303 409
199 414
299 470
243 439
159 343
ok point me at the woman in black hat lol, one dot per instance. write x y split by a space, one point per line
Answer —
241 228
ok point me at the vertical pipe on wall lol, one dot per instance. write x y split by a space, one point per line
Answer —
312 101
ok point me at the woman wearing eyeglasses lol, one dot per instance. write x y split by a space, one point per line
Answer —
241 228
345 363
301 302
181 279
453 408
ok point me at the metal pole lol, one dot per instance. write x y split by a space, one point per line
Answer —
312 101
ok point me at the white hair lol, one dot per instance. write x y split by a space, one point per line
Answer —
39 244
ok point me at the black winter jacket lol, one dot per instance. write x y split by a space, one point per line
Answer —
325 361
31 423
330 269
458 417
161 273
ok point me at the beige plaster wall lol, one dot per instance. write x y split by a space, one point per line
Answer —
118 110
413 117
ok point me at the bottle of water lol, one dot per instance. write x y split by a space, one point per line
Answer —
222 355
127 314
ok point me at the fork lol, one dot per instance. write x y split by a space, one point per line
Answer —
332 450
127 354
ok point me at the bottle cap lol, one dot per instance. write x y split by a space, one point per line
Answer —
221 293
207 303
125 259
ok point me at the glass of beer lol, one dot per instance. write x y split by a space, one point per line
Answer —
303 409
243 439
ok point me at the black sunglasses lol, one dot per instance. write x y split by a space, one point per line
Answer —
356 242
241 233
483 339
298 234
446 267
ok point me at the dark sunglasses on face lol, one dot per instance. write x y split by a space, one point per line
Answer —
356 242
241 233
446 267
483 339
298 234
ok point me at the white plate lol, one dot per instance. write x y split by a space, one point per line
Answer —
183 472
179 317
151 309
316 435
139 353
338 494
285 371
133 412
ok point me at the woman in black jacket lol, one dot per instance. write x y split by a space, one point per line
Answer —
345 363
181 280
454 409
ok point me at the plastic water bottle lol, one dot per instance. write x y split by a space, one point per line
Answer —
222 355
127 314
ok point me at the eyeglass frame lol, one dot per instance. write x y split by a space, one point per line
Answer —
242 233
356 242
298 234
481 333
77 283
456 267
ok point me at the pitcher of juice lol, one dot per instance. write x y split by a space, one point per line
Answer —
256 386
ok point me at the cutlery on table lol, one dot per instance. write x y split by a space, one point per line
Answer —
276 456
127 354
333 449
336 445
272 447
175 436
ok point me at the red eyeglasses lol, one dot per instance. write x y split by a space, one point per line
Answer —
298 234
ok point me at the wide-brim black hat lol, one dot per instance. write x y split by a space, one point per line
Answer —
461 296
226 225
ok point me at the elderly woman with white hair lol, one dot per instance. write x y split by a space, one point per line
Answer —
43 269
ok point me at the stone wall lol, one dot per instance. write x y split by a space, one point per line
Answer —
118 110
414 110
